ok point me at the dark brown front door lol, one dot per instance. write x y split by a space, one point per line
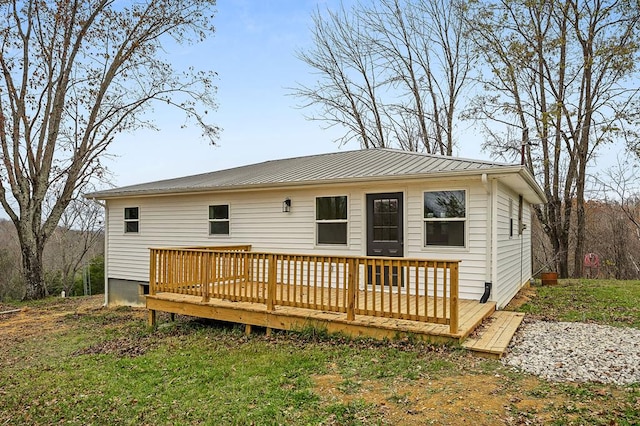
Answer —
384 225
385 232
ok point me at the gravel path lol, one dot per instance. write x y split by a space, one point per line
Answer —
577 352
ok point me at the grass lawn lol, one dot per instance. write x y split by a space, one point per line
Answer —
69 361
609 302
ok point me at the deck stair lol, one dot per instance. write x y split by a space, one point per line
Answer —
493 336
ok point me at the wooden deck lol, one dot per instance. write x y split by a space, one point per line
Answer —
357 296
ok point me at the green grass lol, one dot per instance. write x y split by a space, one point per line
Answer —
105 366
608 302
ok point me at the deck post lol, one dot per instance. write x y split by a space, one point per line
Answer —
152 271
271 283
351 291
453 298
152 318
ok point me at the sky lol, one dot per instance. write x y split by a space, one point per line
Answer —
253 52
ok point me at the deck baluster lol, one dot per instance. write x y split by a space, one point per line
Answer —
204 275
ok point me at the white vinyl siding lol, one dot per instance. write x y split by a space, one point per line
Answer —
257 219
514 249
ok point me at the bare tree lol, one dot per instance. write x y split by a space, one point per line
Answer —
559 70
73 74
78 238
390 73
620 185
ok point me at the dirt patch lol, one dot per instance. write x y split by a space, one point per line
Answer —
53 316
125 347
472 399
524 295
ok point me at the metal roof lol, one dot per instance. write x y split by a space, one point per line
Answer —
335 167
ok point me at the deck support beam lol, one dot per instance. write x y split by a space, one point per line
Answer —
288 318
247 329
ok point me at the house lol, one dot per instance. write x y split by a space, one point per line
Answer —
375 202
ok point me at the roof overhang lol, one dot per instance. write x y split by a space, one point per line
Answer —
522 181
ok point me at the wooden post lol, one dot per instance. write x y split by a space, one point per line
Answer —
271 283
152 318
453 299
152 272
351 291
247 329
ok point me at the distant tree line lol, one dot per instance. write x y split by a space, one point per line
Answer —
73 258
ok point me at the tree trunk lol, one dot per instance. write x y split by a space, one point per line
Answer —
581 226
33 272
562 260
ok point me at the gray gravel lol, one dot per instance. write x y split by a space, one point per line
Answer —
577 352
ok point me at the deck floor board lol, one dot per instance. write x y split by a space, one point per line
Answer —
493 340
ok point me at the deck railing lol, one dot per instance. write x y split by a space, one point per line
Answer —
411 289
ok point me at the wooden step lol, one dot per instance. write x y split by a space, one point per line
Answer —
493 337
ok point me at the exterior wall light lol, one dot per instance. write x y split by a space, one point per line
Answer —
286 205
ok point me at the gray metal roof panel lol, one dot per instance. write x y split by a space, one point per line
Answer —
336 166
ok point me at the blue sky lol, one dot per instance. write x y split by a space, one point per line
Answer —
253 52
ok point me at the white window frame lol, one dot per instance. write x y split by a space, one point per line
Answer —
327 221
210 221
464 219
127 221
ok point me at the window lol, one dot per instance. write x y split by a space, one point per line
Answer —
510 218
331 220
520 215
219 219
131 220
445 218
386 216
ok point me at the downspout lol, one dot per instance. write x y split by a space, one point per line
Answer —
488 238
106 250
494 236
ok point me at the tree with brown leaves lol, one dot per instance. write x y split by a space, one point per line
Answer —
74 74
